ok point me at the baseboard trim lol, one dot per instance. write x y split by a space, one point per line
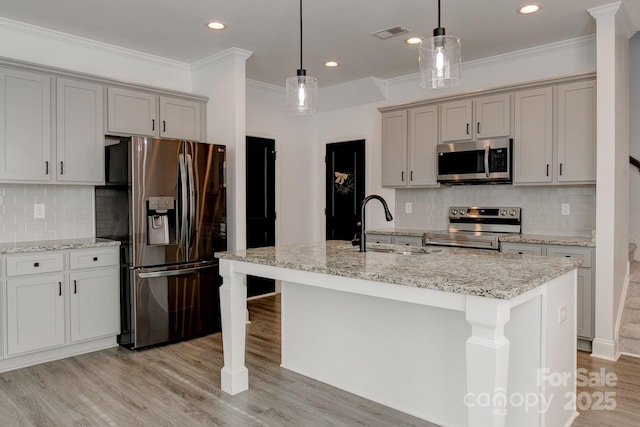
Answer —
604 349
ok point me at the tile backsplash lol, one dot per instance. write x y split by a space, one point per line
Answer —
69 212
541 207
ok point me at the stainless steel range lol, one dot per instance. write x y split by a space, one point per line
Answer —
477 227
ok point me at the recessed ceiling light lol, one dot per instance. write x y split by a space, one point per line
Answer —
413 40
216 25
528 9
331 64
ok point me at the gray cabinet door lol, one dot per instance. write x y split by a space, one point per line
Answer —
577 132
394 149
80 132
533 142
423 140
131 112
25 126
179 118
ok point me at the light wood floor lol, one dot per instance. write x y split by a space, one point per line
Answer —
179 385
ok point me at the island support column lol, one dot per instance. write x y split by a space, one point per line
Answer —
234 376
487 361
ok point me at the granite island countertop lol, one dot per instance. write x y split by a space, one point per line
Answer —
55 245
493 275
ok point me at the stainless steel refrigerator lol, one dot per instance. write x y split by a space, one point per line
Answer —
165 200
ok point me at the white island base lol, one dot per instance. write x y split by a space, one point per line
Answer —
449 358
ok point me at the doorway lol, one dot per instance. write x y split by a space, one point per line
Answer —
345 172
261 204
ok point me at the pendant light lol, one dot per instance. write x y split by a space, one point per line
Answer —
440 59
302 90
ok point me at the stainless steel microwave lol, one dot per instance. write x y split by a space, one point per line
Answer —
486 161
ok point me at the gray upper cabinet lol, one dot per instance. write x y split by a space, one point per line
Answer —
394 148
132 112
483 117
25 126
80 132
409 145
533 142
180 118
577 132
555 135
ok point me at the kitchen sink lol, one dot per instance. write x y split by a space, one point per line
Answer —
397 250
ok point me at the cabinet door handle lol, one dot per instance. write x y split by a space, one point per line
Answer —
411 176
560 168
164 126
46 167
61 168
547 169
153 124
467 128
402 176
520 253
95 258
75 286
478 127
59 288
36 264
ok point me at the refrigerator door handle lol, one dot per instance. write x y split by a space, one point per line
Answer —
192 201
168 273
182 232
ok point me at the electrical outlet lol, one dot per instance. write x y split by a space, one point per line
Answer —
408 207
38 211
562 313
565 209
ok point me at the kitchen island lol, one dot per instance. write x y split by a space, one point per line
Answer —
451 336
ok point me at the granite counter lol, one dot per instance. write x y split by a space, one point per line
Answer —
55 245
446 335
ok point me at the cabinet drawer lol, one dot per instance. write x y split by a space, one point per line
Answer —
521 248
580 253
92 258
379 238
407 240
41 262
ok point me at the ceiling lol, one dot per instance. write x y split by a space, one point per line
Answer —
332 29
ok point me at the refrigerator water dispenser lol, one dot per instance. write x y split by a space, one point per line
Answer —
161 221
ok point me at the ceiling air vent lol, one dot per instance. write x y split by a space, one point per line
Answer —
387 33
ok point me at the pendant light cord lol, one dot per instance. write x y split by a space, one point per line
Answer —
438 14
301 34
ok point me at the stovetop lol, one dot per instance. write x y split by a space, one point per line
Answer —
477 227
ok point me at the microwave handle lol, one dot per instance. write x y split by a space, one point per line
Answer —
487 149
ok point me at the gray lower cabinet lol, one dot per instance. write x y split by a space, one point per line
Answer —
586 277
58 303
394 239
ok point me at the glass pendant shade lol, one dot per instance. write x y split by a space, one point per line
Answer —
440 62
302 94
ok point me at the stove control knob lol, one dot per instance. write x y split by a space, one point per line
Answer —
503 212
512 212
454 211
463 211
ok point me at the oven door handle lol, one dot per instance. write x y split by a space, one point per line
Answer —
487 149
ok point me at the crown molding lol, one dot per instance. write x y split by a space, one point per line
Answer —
231 52
497 59
255 84
91 44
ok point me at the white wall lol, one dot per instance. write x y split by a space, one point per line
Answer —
41 46
222 79
298 172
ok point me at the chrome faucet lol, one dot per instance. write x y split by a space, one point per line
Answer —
387 214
